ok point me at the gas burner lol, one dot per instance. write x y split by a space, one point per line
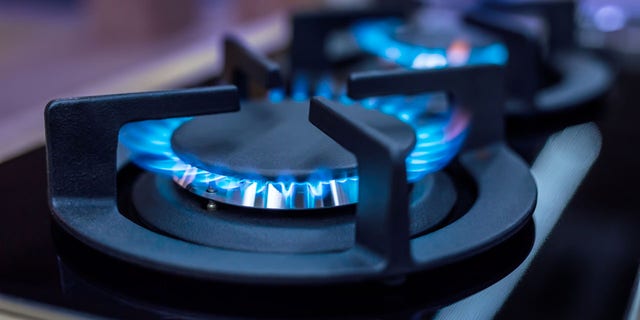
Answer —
546 73
288 171
420 46
402 224
268 156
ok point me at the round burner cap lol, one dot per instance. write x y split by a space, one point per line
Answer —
269 155
272 141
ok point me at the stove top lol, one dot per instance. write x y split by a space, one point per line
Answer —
371 192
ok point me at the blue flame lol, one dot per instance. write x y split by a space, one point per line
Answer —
300 87
324 87
376 37
276 95
439 131
150 145
439 135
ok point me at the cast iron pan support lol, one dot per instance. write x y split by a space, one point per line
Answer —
311 29
242 64
539 49
382 216
478 88
523 40
382 223
558 16
82 137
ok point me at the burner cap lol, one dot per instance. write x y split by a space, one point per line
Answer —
423 47
274 141
430 39
441 33
269 144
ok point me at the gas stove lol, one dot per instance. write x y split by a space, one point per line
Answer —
364 172
529 38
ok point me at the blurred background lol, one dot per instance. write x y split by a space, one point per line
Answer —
61 48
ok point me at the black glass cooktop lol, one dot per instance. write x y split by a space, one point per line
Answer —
582 264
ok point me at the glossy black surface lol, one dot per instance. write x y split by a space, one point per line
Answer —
41 262
585 269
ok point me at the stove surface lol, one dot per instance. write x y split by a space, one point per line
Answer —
193 232
585 269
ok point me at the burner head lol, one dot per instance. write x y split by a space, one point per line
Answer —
268 155
440 29
417 46
273 141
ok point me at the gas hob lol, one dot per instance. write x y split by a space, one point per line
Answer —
367 186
